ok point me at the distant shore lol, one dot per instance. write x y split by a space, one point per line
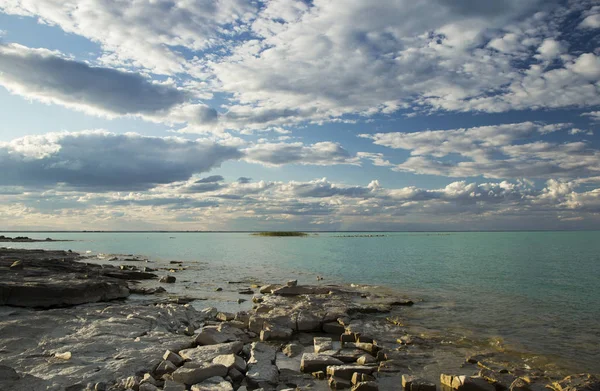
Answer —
26 239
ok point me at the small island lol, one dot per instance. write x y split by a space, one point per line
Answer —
280 233
26 239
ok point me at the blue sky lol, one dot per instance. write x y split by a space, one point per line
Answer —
344 115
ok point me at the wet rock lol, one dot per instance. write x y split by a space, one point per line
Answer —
402 302
361 377
322 344
272 333
246 291
334 328
300 290
413 383
346 371
293 349
231 361
349 355
366 386
466 383
211 335
292 283
236 375
148 387
320 375
225 316
167 279
17 265
580 382
308 321
268 288
8 373
370 348
336 383
193 373
502 381
317 362
213 384
347 338
209 352
366 359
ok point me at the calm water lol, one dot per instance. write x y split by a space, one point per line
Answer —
537 292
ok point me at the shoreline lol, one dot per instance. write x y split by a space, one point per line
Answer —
408 351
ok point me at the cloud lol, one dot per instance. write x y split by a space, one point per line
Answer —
322 153
499 151
101 161
50 77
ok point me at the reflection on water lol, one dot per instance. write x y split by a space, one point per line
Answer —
526 291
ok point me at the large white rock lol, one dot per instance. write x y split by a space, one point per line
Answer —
231 361
213 384
209 352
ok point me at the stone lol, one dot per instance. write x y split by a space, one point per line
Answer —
347 338
499 380
370 348
366 386
210 312
413 383
225 316
208 353
173 386
308 321
148 378
317 362
231 361
213 384
299 290
167 279
261 368
349 355
148 387
211 335
246 291
8 373
358 377
336 383
132 382
17 265
236 375
63 356
165 367
292 349
320 375
466 383
175 358
322 344
366 359
276 333
334 328
268 288
292 283
190 374
346 371
580 382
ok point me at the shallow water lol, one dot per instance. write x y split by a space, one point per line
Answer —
534 292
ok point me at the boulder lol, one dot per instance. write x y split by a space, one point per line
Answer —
346 371
366 386
334 328
322 344
413 383
225 316
165 367
300 290
268 288
261 368
148 387
173 386
167 279
358 377
212 335
317 362
175 358
231 361
276 333
209 352
466 383
192 373
580 382
293 349
366 359
292 283
213 384
308 321
336 383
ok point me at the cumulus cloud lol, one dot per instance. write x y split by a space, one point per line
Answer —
50 77
101 161
499 151
322 153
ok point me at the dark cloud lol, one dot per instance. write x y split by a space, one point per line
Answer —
244 179
45 75
211 179
102 161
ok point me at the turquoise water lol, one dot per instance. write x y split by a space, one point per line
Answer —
537 292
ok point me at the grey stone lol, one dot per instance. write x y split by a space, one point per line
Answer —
261 368
366 386
211 335
308 321
366 359
147 387
165 367
192 374
293 349
209 352
231 361
317 362
334 328
175 358
213 384
322 344
346 371
336 383
173 386
167 279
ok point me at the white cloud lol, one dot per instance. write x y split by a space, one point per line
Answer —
322 153
500 151
592 19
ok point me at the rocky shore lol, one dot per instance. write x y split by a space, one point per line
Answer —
26 239
67 325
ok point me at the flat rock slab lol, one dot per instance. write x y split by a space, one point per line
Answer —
213 384
209 352
317 362
191 373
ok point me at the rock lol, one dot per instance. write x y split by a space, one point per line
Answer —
292 349
8 373
148 387
339 383
167 279
366 359
246 291
193 373
299 290
346 371
208 353
402 302
63 356
210 312
211 335
347 338
366 386
412 383
361 377
231 361
173 386
165 367
261 368
17 265
225 316
292 283
213 384
465 383
349 355
580 382
370 348
308 321
268 288
132 382
322 344
501 381
175 358
317 362
236 375
334 328
218 289
319 375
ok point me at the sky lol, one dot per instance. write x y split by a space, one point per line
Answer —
299 115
